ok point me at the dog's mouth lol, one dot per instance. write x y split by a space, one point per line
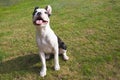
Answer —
40 21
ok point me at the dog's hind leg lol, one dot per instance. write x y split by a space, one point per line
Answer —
65 57
63 52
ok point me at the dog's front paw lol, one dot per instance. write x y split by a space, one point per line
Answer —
57 67
42 73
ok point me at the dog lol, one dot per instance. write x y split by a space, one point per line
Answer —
46 39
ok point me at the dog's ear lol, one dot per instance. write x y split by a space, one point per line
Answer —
35 10
49 10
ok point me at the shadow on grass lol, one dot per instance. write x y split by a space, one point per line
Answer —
25 63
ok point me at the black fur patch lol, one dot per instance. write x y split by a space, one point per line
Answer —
61 44
35 10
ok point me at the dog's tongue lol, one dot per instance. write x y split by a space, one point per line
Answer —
39 22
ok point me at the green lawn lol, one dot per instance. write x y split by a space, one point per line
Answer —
90 28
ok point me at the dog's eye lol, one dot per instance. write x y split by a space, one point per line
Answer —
46 12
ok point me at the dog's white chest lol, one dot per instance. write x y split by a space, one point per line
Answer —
46 39
44 44
47 47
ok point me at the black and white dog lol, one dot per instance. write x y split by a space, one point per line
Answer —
46 39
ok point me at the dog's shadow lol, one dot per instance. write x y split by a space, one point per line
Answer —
27 63
21 63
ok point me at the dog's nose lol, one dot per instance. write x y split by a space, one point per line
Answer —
39 13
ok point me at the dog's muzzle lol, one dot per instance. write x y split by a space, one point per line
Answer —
39 20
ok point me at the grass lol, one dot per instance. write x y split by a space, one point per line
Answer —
90 29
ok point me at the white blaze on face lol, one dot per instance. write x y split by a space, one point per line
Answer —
44 16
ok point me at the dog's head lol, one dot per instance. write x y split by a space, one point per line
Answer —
41 15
